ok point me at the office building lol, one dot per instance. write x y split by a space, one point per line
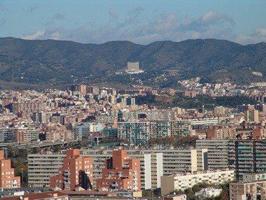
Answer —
43 166
247 156
217 153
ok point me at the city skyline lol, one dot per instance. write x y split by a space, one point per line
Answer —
137 21
132 99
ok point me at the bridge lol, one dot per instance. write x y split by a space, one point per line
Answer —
38 144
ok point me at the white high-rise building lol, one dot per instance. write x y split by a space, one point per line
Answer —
133 68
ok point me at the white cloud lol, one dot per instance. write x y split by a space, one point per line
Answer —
47 34
259 35
55 35
163 27
34 36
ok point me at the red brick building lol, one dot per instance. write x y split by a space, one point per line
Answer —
7 175
77 171
120 173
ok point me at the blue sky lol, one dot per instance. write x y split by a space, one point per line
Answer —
140 21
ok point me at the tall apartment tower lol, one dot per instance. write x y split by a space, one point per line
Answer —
7 175
83 89
77 171
120 173
252 115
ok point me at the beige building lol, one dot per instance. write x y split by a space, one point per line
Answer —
181 182
248 191
183 160
252 187
252 115
133 68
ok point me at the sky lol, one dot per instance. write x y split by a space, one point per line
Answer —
139 21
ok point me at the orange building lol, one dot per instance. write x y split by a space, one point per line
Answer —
7 175
120 173
77 171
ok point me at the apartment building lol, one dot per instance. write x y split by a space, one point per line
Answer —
77 171
151 165
247 156
136 132
140 132
253 187
217 153
181 182
120 173
8 179
182 160
7 134
155 163
42 166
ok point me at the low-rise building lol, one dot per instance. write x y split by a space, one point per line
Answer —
248 190
252 186
181 182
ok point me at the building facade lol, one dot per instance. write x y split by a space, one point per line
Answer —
77 171
8 179
181 182
155 163
120 173
43 166
247 156
253 187
217 153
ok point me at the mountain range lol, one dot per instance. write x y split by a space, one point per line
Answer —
52 62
